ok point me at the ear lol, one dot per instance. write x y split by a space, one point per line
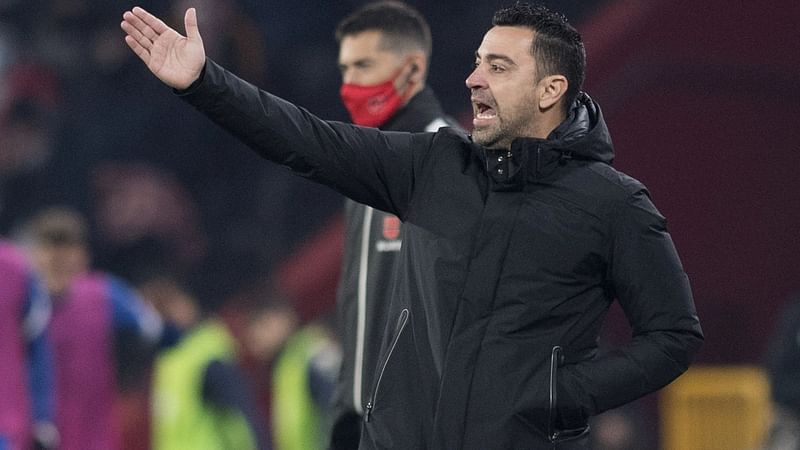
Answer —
552 90
419 68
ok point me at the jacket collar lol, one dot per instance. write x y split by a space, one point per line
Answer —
421 110
582 136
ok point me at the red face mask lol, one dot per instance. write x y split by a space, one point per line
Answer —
371 106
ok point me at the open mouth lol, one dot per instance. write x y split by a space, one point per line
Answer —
484 111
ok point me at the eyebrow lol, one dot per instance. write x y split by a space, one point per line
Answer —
495 57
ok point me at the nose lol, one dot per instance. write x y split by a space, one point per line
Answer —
475 79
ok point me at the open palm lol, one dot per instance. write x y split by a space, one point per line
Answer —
174 59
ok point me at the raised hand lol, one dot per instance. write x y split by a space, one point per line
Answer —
174 59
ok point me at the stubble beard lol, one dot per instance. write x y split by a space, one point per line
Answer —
492 137
497 136
503 132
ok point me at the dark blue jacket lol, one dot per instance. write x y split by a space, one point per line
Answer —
509 263
371 253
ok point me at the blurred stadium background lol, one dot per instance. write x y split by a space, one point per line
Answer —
701 99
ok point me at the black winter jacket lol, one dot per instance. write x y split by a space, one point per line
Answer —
371 251
509 263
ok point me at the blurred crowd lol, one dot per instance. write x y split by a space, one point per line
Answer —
143 241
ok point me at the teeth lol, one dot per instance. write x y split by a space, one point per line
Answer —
486 115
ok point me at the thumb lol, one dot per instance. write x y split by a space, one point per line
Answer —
190 22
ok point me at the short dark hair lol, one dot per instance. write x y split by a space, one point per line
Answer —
557 45
57 226
403 27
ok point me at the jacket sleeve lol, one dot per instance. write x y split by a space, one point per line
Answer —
38 310
131 312
653 290
372 167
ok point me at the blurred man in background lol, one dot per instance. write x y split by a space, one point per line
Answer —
301 362
201 398
89 310
384 56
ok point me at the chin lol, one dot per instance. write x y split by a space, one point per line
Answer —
484 139
479 136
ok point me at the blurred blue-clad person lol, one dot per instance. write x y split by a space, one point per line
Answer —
89 309
26 390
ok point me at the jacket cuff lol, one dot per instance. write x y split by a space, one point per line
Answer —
192 87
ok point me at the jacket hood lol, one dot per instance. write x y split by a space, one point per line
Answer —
583 133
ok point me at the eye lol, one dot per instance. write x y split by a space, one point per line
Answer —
497 68
476 64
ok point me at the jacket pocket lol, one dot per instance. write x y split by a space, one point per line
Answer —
555 431
398 330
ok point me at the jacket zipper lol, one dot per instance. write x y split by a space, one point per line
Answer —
554 434
361 317
401 324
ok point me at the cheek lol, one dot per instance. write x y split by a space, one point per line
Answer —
377 74
521 104
506 101
507 95
373 78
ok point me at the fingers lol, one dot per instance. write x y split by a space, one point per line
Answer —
150 20
137 48
139 29
137 41
190 22
134 33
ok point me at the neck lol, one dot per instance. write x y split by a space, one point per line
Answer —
548 121
412 91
